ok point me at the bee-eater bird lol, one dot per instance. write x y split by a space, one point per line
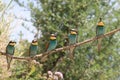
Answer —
100 30
32 52
33 48
53 42
50 46
72 36
72 40
10 49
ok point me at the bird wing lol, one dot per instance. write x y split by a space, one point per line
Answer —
96 31
9 59
13 50
30 49
46 46
7 49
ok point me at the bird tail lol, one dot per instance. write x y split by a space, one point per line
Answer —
71 54
99 45
9 59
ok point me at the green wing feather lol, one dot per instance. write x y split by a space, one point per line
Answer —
33 50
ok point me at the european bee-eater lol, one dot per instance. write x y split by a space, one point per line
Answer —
33 48
10 49
53 42
72 40
100 30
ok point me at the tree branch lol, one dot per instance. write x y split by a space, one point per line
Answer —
63 48
14 57
77 44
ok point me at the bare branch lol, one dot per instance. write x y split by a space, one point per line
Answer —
41 55
14 57
77 44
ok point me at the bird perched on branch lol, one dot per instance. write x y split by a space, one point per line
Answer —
53 43
10 49
32 52
72 36
100 30
50 46
33 48
72 40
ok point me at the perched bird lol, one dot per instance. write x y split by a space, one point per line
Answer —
50 46
53 43
72 40
100 30
10 49
33 48
72 36
32 52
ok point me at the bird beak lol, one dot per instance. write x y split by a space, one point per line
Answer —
52 37
73 32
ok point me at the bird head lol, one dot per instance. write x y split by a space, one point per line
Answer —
100 23
73 31
53 37
12 43
34 42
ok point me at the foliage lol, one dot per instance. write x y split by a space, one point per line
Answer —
60 16
4 27
5 30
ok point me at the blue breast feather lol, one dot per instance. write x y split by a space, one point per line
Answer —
33 50
10 50
72 39
52 45
100 31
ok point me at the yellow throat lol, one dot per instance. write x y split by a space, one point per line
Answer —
12 44
100 24
52 38
36 43
73 32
